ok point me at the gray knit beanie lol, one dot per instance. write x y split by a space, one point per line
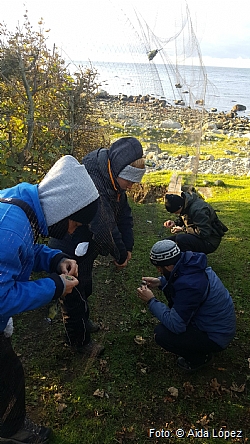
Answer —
165 252
66 189
132 174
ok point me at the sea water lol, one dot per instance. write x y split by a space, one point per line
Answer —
215 87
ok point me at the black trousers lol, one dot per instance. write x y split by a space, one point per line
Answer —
189 242
193 344
12 390
74 306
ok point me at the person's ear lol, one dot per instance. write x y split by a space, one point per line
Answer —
169 267
73 225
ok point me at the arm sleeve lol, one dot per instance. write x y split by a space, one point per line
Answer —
17 292
107 232
46 259
125 225
167 316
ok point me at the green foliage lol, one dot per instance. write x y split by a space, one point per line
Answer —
45 112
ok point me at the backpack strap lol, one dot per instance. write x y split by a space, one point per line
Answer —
28 211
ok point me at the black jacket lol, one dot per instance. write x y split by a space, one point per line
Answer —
200 219
112 225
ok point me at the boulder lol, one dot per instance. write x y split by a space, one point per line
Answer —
238 107
209 126
170 124
152 147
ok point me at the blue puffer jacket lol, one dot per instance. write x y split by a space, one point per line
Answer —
196 296
113 223
19 256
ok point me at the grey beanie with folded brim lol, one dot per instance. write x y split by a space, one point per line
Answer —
66 189
132 174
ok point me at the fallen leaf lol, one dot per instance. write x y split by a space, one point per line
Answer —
139 340
99 393
58 397
203 421
235 388
60 407
188 388
173 392
215 386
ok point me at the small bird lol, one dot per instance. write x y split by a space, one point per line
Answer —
151 54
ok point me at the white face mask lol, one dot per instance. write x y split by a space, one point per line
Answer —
81 249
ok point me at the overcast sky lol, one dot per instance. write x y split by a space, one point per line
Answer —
92 29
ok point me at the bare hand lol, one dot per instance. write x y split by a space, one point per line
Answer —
169 224
70 282
121 266
70 267
144 293
129 255
176 229
152 282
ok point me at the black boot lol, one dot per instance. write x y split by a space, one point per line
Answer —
30 433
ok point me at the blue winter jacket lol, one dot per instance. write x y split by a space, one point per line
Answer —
19 256
196 296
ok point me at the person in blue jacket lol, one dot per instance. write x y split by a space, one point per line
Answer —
65 199
199 319
113 171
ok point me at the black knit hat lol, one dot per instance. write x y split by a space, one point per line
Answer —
84 216
165 252
173 202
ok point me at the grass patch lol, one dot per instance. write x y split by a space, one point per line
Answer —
133 380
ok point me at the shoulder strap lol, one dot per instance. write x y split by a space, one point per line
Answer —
28 211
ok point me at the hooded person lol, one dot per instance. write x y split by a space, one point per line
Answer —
197 227
199 318
66 197
113 171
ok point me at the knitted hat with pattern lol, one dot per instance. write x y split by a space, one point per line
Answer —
165 252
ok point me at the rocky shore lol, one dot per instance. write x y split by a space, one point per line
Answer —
182 126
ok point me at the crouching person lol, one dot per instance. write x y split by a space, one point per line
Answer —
200 317
65 199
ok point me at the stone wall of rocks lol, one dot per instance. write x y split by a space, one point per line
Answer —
239 166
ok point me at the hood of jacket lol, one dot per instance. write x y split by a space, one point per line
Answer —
190 263
123 152
189 199
65 190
